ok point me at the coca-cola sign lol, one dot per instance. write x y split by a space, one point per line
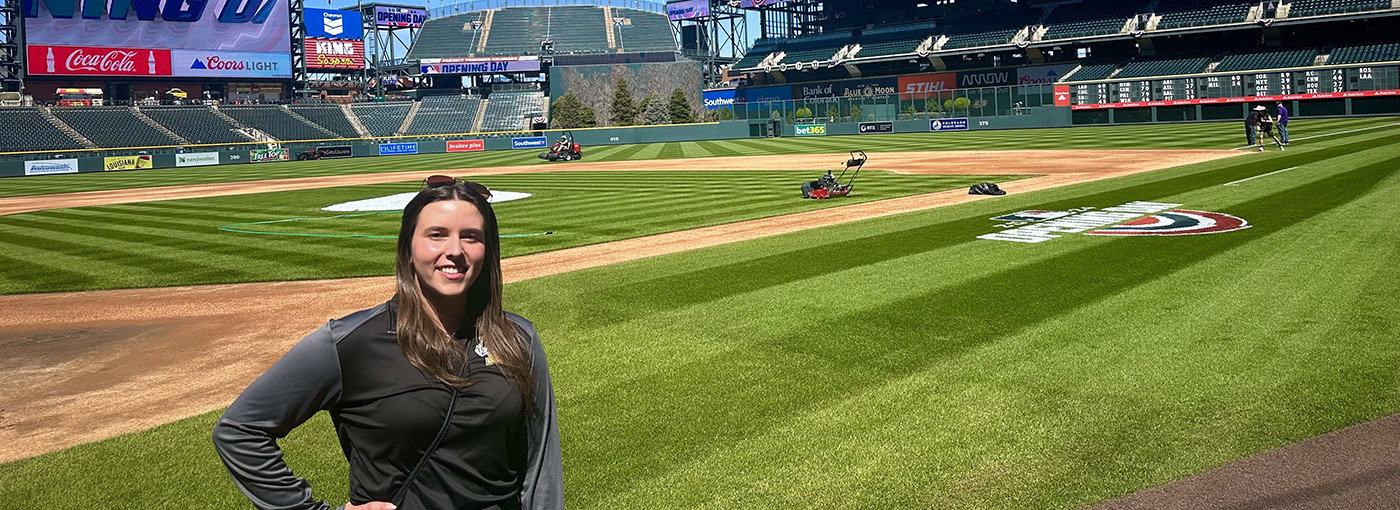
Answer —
89 61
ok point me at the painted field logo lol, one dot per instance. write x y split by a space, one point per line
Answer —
1133 218
810 129
1176 222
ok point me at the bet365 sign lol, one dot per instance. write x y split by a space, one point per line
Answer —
189 11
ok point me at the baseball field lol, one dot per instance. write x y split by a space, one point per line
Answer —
1144 305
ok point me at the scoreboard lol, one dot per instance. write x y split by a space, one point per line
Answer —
1234 87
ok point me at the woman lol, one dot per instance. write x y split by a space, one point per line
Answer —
389 375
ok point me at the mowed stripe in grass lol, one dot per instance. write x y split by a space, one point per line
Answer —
179 242
1166 136
902 363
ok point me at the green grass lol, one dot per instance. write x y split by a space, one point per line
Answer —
1177 136
903 363
178 242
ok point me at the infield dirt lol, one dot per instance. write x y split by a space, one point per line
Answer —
86 366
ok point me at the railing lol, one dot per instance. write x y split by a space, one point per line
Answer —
481 5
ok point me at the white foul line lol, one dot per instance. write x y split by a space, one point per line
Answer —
1258 176
1329 134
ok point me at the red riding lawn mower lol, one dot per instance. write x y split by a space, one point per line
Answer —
828 186
565 149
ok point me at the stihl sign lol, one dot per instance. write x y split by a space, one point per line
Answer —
188 11
71 60
334 54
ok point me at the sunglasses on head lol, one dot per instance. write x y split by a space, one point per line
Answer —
440 181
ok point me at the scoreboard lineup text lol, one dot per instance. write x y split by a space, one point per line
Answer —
1274 83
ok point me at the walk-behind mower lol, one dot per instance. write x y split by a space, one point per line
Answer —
828 186
565 149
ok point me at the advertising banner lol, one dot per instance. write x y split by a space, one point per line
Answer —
335 151
716 99
921 85
332 54
51 166
197 159
329 24
869 87
231 64
483 65
762 94
396 149
996 78
876 127
266 155
947 125
142 37
126 163
399 17
1062 95
465 145
1042 75
810 129
534 142
688 9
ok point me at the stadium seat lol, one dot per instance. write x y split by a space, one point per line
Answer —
274 121
331 117
1388 52
1305 8
381 119
196 124
445 114
895 40
1090 18
448 37
506 110
645 32
112 126
1267 60
1199 13
26 129
992 29
1168 67
1091 72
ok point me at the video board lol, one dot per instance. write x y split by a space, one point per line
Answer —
158 38
399 17
1233 88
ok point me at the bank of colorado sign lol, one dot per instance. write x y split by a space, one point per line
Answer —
334 54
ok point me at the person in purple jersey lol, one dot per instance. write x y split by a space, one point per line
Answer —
1283 122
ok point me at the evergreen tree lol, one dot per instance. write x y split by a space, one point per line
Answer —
654 111
624 107
568 113
680 109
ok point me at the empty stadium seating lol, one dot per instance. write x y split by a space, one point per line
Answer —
112 126
519 30
1388 52
1266 60
381 119
1091 72
1089 18
445 114
26 129
761 48
894 41
448 37
645 32
196 124
1304 8
507 110
1198 13
989 29
1141 69
274 121
815 48
327 116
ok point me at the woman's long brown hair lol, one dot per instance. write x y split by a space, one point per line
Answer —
425 343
